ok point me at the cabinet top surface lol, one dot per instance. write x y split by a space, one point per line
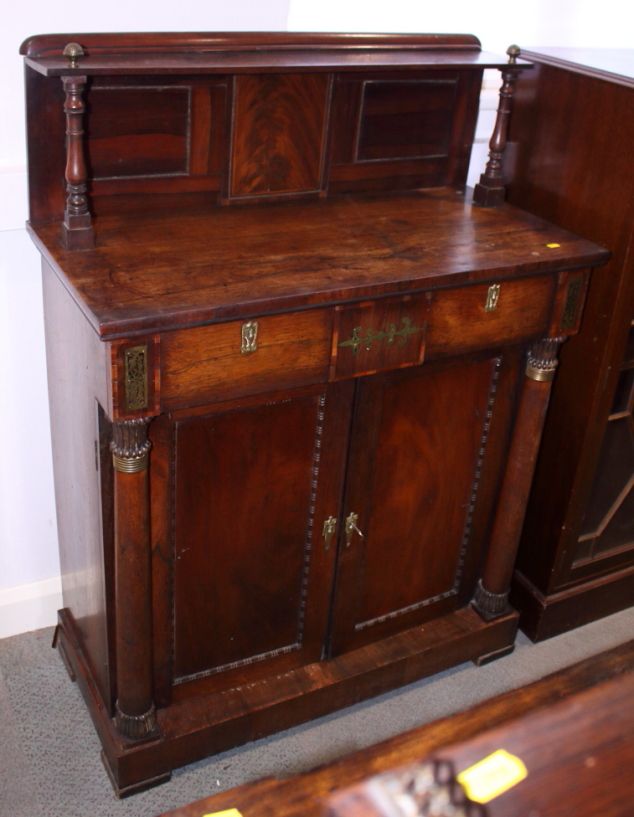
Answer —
239 52
172 270
612 64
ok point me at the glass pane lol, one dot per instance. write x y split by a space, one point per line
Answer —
616 466
629 352
620 530
623 392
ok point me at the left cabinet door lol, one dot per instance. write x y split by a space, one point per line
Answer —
248 485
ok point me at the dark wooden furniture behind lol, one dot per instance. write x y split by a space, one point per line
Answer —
572 729
572 135
294 419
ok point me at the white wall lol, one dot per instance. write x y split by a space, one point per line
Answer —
29 564
498 23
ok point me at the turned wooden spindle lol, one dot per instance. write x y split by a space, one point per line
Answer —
492 592
77 231
490 191
135 715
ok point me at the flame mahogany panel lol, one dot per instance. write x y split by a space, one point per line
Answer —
278 133
412 481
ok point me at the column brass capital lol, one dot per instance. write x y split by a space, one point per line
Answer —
542 359
130 446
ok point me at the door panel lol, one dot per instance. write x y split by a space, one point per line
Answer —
251 579
416 454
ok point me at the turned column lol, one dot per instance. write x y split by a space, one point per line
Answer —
490 191
135 714
492 592
77 232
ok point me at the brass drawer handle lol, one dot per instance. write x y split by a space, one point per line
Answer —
330 526
249 337
351 527
392 334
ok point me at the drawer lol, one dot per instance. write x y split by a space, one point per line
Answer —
378 335
478 316
207 364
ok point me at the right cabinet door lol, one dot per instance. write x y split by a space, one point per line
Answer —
415 474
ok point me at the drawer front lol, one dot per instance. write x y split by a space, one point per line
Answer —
207 364
482 315
378 335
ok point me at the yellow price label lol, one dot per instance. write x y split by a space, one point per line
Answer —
230 812
553 246
492 776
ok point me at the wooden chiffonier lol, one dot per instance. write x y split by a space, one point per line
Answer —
297 376
572 135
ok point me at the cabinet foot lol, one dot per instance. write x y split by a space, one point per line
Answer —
57 644
493 656
135 788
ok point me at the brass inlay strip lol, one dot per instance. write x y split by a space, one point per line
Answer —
392 334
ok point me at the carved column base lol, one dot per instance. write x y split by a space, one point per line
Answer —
135 727
490 605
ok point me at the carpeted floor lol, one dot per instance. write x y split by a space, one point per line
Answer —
49 752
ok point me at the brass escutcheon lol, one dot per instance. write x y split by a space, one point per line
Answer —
249 337
351 527
493 296
329 528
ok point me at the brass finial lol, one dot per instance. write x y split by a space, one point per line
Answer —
73 51
513 51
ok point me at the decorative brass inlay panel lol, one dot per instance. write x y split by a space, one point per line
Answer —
329 528
493 296
136 386
249 337
392 334
571 304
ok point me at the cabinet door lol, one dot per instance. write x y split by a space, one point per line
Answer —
253 483
417 450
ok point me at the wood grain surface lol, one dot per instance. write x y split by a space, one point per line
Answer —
236 262
413 458
278 133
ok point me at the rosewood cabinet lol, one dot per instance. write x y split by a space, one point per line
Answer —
571 133
297 377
